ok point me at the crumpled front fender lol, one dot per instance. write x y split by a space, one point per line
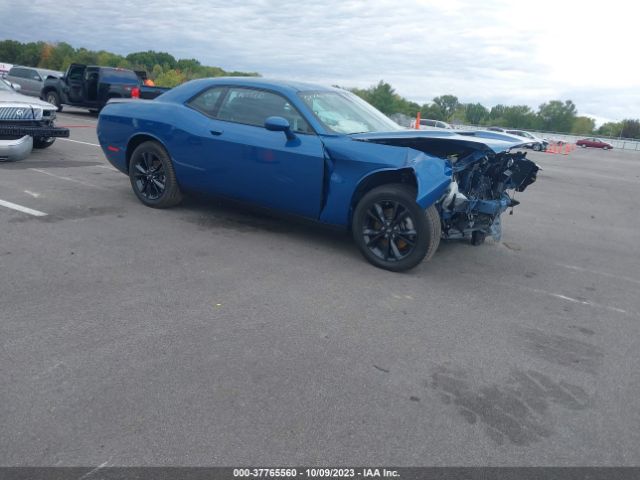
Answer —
433 176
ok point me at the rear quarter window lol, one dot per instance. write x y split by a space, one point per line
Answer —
112 75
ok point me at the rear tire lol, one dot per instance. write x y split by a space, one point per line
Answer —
392 231
53 98
43 142
152 176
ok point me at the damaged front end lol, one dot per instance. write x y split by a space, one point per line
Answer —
483 172
478 193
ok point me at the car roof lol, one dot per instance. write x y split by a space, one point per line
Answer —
273 83
44 71
188 89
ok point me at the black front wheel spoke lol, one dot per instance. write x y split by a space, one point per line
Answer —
380 213
373 241
394 249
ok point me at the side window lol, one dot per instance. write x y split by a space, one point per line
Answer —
33 75
17 72
252 107
76 73
207 101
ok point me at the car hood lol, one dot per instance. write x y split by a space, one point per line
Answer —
439 142
15 99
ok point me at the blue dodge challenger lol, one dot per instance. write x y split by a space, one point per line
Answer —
320 153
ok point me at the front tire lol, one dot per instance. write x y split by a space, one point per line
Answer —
43 142
537 147
152 176
54 99
392 231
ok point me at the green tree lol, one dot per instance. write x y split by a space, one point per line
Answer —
148 59
475 113
447 105
519 116
583 126
30 53
431 111
384 98
630 128
557 116
170 78
610 129
10 51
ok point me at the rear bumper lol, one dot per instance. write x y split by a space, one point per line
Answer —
14 150
32 130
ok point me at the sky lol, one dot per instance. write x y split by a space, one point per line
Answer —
494 51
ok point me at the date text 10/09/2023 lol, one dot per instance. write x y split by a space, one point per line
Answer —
315 473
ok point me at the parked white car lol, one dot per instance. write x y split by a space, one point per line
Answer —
25 123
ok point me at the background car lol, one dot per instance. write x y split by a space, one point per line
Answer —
537 143
426 123
25 123
594 143
31 80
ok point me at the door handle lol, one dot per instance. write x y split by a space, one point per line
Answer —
216 132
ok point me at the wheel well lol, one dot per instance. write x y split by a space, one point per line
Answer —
403 176
135 141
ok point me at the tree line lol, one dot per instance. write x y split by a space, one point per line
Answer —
161 67
553 116
167 71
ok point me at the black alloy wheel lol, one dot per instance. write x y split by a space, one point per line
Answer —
392 231
152 176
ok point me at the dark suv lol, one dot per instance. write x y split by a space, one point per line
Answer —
91 86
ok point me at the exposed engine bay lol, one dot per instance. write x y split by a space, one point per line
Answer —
479 193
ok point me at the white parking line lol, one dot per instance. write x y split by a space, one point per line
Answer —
20 208
33 194
577 300
65 178
595 272
107 167
78 141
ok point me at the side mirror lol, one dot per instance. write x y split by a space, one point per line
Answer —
16 87
279 124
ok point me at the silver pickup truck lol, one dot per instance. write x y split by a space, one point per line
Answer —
25 123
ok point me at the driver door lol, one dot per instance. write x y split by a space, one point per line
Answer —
240 158
75 83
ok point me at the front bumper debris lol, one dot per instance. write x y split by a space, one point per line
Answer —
14 150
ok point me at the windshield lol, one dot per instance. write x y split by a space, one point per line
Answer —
344 112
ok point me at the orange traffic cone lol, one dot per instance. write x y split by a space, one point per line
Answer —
418 120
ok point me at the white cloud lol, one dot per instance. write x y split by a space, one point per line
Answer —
498 51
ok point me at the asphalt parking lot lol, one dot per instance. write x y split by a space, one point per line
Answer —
209 335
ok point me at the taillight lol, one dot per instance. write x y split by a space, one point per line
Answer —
135 92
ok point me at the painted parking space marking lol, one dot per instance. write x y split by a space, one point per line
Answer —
596 272
107 167
33 194
20 208
78 141
69 179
